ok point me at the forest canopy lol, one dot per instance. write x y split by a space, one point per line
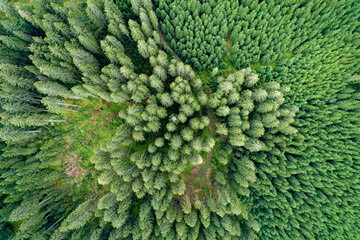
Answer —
179 119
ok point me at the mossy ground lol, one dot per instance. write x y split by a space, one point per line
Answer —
84 131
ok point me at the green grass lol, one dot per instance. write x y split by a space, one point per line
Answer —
288 55
94 124
84 131
258 64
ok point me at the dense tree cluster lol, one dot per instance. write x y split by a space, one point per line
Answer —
311 47
269 31
267 149
196 30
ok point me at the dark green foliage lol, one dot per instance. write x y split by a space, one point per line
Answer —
302 49
183 120
197 30
268 32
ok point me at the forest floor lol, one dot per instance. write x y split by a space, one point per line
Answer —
199 183
84 131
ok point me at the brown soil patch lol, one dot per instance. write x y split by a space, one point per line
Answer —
108 118
73 169
72 162
199 184
96 112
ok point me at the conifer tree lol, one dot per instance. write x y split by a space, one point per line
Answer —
209 120
78 217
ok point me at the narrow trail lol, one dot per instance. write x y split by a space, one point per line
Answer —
163 40
212 126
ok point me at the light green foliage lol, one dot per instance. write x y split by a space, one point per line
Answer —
24 211
78 217
179 119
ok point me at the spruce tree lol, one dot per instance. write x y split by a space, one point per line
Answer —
179 119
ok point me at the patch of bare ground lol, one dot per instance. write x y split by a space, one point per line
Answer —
72 163
96 112
108 118
199 184
74 170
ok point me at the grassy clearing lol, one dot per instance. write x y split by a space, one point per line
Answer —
85 130
199 183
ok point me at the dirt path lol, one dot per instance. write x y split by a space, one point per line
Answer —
212 126
163 40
